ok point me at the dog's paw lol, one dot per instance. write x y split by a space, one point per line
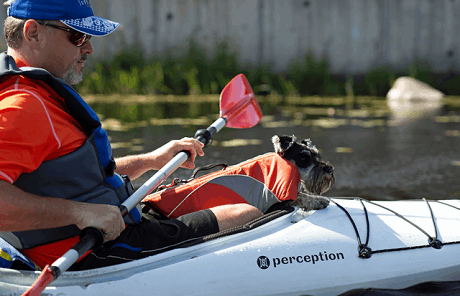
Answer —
308 202
321 203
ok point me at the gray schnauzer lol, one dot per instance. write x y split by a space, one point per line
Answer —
317 176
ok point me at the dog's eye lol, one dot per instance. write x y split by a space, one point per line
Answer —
304 155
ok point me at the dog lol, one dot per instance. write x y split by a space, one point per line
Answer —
293 175
317 176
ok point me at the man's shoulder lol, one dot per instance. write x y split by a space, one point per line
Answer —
19 88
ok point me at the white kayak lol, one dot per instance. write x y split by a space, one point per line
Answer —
325 252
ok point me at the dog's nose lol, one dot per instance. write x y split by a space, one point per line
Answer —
329 169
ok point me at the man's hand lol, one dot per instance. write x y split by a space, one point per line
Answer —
165 153
135 165
107 218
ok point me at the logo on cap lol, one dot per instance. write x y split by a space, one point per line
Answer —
84 2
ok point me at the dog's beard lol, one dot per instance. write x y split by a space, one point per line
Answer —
316 181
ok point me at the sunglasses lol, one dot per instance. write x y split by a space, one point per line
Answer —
77 38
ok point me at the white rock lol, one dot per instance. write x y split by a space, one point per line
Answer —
408 88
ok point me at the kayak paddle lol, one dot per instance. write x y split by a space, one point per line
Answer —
238 109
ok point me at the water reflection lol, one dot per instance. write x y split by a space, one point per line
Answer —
412 156
380 149
407 111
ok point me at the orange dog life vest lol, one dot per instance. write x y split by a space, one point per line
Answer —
261 181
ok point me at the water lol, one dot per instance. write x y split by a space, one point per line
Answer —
380 150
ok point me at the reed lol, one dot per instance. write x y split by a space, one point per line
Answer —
130 72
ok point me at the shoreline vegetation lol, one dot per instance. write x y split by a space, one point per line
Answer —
131 73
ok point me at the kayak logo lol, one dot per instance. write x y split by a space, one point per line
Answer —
264 262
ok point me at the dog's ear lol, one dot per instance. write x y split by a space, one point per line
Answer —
282 143
309 144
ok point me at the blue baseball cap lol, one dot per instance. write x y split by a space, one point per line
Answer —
76 14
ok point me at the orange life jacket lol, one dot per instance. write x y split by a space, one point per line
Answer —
261 181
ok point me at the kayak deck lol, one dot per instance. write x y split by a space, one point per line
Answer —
364 251
298 252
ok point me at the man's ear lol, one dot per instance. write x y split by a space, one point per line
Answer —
32 33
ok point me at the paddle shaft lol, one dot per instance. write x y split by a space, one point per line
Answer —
92 237
166 171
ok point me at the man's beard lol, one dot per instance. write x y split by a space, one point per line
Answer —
71 76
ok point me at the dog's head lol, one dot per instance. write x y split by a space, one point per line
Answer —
317 176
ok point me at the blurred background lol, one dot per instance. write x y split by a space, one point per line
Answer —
321 69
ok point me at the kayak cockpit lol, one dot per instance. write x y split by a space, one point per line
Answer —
188 250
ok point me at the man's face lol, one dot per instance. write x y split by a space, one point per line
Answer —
74 76
62 58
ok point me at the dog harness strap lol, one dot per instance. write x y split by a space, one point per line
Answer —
207 167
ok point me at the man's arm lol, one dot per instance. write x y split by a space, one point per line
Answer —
136 165
21 211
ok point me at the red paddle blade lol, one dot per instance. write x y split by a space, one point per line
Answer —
238 104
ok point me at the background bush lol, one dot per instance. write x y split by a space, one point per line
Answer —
130 72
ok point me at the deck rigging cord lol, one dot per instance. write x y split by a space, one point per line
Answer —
365 252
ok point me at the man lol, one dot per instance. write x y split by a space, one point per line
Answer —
56 171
